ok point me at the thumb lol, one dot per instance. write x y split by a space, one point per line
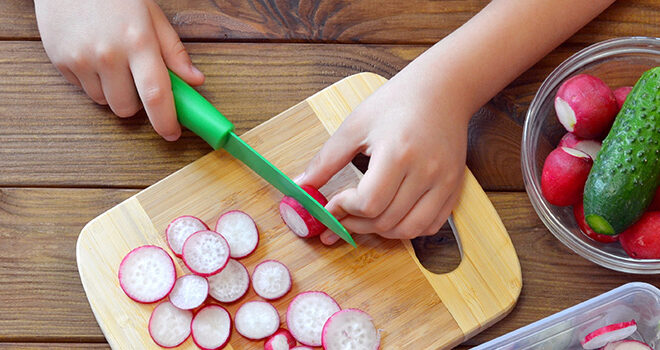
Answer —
174 53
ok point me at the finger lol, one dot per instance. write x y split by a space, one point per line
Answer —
119 90
443 215
91 83
172 49
420 216
68 75
329 238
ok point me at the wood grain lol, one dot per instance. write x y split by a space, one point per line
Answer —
361 21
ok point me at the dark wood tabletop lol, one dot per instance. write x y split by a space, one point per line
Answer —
65 160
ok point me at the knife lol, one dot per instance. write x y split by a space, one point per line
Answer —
198 114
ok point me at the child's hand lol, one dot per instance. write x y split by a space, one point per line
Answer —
415 131
118 51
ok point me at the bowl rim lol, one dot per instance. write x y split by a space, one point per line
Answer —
597 51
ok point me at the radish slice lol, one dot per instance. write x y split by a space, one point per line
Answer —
271 279
189 292
627 345
230 284
600 337
169 326
257 320
298 219
147 274
281 340
180 229
205 253
302 348
211 327
350 329
240 231
307 314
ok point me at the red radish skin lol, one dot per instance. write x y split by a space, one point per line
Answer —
350 329
565 172
590 147
610 333
281 340
620 94
169 326
271 279
257 320
180 229
586 106
189 292
205 253
307 314
578 212
298 219
147 274
628 344
642 240
240 231
211 327
230 284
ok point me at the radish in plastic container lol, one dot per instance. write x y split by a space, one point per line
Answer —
180 229
211 327
257 320
307 314
169 326
298 219
610 333
271 279
240 231
205 253
627 345
281 340
350 329
230 284
147 274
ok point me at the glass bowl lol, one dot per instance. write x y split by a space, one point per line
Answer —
618 62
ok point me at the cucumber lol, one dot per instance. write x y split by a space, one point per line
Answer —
625 174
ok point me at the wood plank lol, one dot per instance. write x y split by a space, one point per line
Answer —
361 21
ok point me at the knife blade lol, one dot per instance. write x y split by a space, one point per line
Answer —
201 117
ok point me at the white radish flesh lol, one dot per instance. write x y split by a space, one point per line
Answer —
307 314
627 345
302 347
189 292
350 329
230 284
257 320
281 340
271 279
147 274
298 219
240 231
211 327
205 253
169 326
604 335
180 229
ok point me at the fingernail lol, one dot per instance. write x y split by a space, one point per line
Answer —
195 70
298 178
332 239
172 137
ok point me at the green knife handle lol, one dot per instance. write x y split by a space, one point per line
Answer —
198 114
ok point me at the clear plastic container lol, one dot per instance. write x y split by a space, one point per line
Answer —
563 330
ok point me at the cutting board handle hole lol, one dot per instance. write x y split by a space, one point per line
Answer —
442 250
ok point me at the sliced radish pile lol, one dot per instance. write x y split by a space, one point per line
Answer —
271 279
180 229
604 335
350 329
240 231
307 314
230 284
189 292
298 219
147 274
169 326
281 340
627 345
205 253
211 327
257 320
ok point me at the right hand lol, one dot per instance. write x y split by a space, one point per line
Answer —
118 52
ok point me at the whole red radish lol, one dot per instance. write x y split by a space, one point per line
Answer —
586 106
565 172
578 212
642 240
590 147
298 219
620 94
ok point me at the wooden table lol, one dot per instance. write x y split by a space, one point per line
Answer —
64 160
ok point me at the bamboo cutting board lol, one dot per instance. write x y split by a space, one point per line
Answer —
414 308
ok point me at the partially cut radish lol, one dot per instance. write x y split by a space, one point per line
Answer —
211 327
257 320
590 147
298 219
147 274
281 340
620 94
585 106
578 212
271 279
189 292
169 326
565 172
350 329
604 335
240 231
628 344
205 253
230 284
306 315
180 229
